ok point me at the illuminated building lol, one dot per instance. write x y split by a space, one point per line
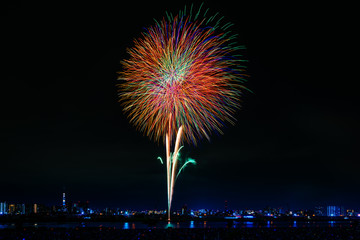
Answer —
335 211
35 208
331 211
11 208
350 212
3 208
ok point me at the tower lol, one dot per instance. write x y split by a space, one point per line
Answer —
63 202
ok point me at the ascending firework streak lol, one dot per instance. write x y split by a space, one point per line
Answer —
171 164
183 79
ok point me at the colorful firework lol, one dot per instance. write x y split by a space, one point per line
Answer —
183 78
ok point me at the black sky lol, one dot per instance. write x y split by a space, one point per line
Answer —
295 143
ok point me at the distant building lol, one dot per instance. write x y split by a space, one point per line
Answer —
20 209
3 208
35 208
83 208
320 211
16 209
64 209
350 212
335 211
184 210
281 211
12 209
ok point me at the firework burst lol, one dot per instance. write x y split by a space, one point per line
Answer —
182 79
184 67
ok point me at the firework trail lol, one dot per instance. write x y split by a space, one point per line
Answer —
182 79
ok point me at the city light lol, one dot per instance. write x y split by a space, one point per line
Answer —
192 224
126 225
82 211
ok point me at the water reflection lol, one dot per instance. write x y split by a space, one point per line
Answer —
191 224
249 224
169 225
180 225
126 225
4 226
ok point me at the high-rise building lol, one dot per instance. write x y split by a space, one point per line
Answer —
335 211
35 208
12 209
331 211
3 208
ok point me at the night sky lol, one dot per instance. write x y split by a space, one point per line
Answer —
295 143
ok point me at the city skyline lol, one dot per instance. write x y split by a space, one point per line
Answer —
65 204
84 209
295 140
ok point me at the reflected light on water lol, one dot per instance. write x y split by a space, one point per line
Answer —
192 224
169 225
249 224
126 225
180 225
4 226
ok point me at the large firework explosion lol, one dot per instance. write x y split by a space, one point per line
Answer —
183 79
